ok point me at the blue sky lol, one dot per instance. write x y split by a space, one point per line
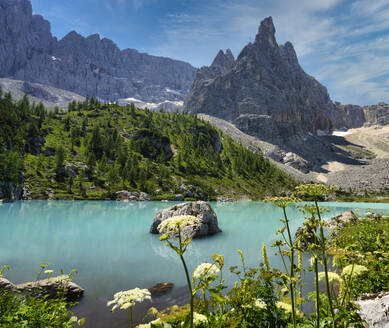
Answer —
344 44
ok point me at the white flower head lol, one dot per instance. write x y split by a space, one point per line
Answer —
356 271
284 306
258 303
332 276
170 225
126 299
199 319
49 271
205 269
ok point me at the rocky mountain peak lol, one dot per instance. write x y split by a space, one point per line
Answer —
223 60
266 93
266 33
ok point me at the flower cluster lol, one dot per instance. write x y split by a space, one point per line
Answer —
126 299
170 225
314 190
332 276
353 269
156 322
282 202
199 319
205 269
284 306
258 303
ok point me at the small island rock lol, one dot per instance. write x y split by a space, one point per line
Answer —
201 210
161 288
51 287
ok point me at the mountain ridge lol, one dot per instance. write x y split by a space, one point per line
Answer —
89 66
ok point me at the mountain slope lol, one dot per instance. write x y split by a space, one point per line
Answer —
95 150
87 66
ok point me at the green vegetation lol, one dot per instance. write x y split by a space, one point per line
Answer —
123 148
19 311
368 241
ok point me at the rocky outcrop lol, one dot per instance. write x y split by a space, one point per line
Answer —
201 210
377 114
49 96
307 236
87 66
264 92
341 220
50 287
132 196
161 288
374 309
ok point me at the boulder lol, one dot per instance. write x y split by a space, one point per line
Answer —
132 196
179 198
7 285
306 236
51 287
201 210
374 309
161 288
340 220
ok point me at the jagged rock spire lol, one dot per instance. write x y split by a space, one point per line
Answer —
266 33
224 60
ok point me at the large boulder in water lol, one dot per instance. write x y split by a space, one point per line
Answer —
208 224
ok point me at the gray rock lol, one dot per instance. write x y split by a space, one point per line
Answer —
87 66
296 162
341 220
307 236
132 196
202 210
179 198
69 170
51 287
161 288
7 285
374 309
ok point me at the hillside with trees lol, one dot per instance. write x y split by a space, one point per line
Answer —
94 150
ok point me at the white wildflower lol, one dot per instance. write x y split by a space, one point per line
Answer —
284 306
126 299
205 269
151 324
332 276
170 225
259 304
199 319
358 269
49 271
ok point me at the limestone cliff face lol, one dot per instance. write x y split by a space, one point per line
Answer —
264 92
88 66
377 114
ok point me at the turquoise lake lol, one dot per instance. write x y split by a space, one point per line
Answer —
110 245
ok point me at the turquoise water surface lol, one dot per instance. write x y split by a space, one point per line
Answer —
109 242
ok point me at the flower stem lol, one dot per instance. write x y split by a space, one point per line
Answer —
291 286
324 256
131 321
187 278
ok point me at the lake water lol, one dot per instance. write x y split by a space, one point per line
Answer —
110 245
